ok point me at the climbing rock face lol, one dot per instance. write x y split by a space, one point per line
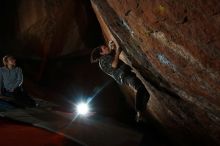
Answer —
51 28
175 47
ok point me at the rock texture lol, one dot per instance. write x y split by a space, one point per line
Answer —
174 46
51 27
48 28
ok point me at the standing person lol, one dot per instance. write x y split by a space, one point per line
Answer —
108 59
11 80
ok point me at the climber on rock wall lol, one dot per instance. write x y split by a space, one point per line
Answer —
109 62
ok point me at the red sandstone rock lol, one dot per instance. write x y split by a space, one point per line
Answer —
175 46
52 28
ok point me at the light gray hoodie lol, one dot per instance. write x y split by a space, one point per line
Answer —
10 78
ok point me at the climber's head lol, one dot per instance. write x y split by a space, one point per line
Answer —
98 52
104 50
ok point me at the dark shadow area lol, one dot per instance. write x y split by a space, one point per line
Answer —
8 25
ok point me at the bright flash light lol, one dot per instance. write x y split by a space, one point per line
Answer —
82 108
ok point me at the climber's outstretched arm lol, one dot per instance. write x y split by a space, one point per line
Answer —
113 45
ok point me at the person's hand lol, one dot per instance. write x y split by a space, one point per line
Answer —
111 45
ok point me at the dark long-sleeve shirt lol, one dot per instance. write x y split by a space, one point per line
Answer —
10 78
105 63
